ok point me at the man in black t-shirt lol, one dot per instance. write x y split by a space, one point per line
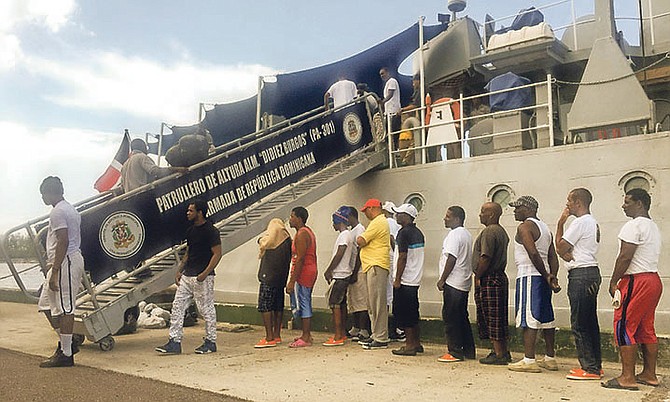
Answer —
195 280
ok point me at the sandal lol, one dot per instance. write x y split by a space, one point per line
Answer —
645 382
613 383
299 343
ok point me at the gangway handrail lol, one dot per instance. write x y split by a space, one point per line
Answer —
227 153
98 202
219 225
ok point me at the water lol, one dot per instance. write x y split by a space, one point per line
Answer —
32 278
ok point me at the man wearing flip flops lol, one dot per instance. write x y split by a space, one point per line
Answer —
338 275
635 280
303 273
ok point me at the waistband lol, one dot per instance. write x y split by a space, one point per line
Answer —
583 270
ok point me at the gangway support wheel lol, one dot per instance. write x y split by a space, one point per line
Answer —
106 344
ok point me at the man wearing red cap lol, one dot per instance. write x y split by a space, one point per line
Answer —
375 247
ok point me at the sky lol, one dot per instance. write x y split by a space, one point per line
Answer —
74 74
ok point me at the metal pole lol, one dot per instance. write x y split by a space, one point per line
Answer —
160 144
462 127
644 54
574 23
423 92
651 23
389 138
550 111
258 103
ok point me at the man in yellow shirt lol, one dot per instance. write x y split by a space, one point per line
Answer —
375 246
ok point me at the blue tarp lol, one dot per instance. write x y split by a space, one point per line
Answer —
509 100
298 92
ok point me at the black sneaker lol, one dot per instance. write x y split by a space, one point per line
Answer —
171 348
493 359
58 360
207 347
375 345
508 357
419 349
364 341
404 351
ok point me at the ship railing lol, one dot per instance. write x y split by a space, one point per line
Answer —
541 111
572 25
651 19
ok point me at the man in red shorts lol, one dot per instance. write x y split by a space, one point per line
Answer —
636 278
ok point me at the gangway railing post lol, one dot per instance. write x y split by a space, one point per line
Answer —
91 290
258 103
160 143
550 111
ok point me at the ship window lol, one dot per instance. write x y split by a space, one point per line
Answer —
501 194
636 182
417 200
637 179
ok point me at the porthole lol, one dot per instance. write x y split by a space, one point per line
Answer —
637 179
417 200
501 194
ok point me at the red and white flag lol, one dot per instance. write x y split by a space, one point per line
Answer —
111 177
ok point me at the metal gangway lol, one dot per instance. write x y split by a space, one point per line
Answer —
108 303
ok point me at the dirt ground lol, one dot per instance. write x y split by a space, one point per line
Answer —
23 381
132 370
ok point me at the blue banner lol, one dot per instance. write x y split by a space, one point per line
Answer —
128 230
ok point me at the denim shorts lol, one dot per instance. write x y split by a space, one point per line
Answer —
304 295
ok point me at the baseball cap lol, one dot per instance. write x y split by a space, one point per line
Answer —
525 201
341 215
388 206
372 202
408 209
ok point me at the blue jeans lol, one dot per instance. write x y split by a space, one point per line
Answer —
583 286
460 342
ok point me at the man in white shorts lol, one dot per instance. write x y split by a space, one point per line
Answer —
65 270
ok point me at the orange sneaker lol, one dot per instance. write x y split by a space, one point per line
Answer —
575 370
334 342
277 341
579 374
264 343
448 358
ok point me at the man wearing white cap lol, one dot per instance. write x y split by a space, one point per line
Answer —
406 281
395 334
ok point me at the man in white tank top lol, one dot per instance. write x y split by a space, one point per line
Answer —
537 265
578 246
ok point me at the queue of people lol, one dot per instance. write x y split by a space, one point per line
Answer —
362 262
376 272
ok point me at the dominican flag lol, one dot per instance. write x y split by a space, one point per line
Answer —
113 172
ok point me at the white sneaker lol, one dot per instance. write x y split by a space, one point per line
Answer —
550 365
524 367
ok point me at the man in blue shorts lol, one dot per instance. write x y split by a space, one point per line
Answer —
533 253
